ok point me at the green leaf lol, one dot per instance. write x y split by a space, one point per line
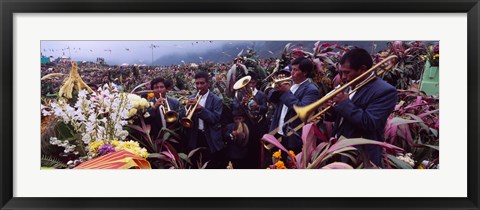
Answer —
401 121
156 155
400 164
427 145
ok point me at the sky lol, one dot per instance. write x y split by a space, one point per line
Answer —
118 52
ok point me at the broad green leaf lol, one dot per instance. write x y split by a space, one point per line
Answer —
399 163
400 121
426 145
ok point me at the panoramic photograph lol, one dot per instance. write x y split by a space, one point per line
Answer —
239 104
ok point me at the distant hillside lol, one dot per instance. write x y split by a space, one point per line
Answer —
264 49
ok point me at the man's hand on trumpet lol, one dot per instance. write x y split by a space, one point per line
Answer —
160 101
192 102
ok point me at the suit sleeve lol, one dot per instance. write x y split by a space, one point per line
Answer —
380 107
212 117
262 103
311 95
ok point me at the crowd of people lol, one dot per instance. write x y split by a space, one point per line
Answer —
238 139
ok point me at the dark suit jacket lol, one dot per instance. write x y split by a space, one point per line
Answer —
234 150
306 94
366 115
211 118
155 119
261 100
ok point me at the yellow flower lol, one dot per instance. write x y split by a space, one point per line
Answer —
132 112
133 147
144 103
94 145
277 154
115 143
150 96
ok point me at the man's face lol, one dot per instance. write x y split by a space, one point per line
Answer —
238 119
252 83
159 88
348 74
297 75
202 85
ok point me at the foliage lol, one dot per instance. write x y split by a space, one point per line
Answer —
410 63
319 155
414 126
433 54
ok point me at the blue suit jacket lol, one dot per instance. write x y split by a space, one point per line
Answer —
306 94
366 114
261 100
211 118
155 120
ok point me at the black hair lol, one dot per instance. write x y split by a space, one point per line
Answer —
165 82
202 74
304 64
253 75
356 58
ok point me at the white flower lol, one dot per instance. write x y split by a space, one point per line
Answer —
86 138
46 113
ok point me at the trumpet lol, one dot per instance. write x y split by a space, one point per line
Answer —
385 65
187 120
281 80
170 115
305 112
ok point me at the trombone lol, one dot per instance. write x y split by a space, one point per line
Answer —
385 65
170 115
304 112
187 120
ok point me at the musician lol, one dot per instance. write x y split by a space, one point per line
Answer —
301 93
364 113
206 129
254 111
237 138
156 118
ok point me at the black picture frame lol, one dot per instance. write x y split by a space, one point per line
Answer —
10 7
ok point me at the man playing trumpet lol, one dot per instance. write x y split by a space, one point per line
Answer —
252 103
203 128
162 104
301 93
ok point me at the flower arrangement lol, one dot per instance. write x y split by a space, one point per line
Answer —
98 148
94 119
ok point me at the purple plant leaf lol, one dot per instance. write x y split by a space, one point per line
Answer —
337 165
408 135
272 140
360 141
309 141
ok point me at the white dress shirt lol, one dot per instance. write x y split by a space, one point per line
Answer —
203 100
293 89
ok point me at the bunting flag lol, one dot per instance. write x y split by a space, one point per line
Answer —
116 160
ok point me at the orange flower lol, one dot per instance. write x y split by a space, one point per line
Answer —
150 96
277 154
280 165
292 154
